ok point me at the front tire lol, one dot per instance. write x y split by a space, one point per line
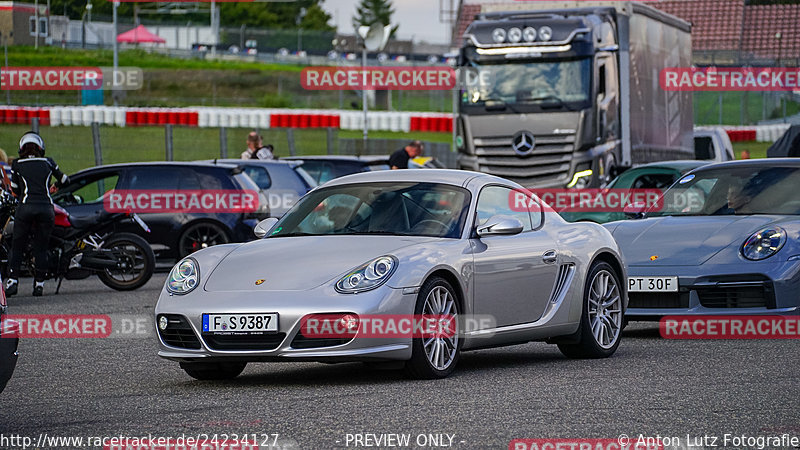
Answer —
213 371
139 260
435 356
601 317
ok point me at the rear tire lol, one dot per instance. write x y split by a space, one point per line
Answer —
138 254
213 371
602 315
435 357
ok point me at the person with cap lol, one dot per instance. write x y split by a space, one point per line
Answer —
30 181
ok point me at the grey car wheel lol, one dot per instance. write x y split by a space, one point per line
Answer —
435 356
602 316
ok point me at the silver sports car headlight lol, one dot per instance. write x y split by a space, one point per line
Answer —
763 244
367 276
185 276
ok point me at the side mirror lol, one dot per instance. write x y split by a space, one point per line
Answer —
262 228
500 225
634 210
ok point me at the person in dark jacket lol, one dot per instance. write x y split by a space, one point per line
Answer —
30 181
399 159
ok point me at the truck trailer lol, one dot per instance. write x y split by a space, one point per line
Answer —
570 97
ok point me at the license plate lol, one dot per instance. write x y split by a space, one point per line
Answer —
239 323
652 284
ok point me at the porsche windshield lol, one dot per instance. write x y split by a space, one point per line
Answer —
409 209
734 190
529 86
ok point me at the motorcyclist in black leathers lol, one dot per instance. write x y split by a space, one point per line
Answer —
30 181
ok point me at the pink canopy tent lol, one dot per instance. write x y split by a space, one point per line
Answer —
140 35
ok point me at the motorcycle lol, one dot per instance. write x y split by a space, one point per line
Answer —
85 246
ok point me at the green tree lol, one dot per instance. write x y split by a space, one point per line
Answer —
259 15
369 12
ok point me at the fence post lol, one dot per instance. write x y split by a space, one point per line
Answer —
35 125
98 152
168 142
329 133
290 138
223 142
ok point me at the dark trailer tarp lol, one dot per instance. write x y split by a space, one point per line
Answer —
787 145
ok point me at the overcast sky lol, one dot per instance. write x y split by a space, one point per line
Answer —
418 18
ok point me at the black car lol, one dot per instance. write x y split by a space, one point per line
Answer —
281 182
177 231
325 168
9 341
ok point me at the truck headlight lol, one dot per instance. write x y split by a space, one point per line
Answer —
529 34
514 35
763 244
498 35
545 33
367 276
184 277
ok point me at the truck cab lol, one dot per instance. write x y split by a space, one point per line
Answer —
545 97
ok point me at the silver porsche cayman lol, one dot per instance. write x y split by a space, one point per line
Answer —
406 268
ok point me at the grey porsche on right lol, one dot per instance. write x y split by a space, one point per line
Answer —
726 240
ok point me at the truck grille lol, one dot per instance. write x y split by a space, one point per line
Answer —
547 165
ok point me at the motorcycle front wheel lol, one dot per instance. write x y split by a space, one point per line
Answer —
136 258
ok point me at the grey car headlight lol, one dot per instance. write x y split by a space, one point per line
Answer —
764 243
367 276
184 277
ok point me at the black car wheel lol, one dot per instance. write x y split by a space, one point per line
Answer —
200 236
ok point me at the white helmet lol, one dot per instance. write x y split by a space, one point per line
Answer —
31 138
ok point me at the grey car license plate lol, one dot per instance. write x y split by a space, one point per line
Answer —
243 323
652 284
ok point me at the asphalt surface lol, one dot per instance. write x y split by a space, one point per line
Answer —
118 387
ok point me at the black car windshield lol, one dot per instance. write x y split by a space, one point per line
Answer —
733 190
409 209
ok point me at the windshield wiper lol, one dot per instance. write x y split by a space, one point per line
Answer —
551 98
496 104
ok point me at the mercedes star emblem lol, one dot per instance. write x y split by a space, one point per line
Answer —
523 143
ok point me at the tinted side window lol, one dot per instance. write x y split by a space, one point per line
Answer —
259 175
703 148
653 181
284 177
214 177
153 178
90 189
495 200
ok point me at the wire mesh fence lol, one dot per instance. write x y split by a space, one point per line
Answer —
75 148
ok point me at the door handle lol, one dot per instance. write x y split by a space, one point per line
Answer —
550 257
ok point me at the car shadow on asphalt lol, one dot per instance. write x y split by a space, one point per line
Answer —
641 330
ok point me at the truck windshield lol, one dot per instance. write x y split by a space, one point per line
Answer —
529 86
